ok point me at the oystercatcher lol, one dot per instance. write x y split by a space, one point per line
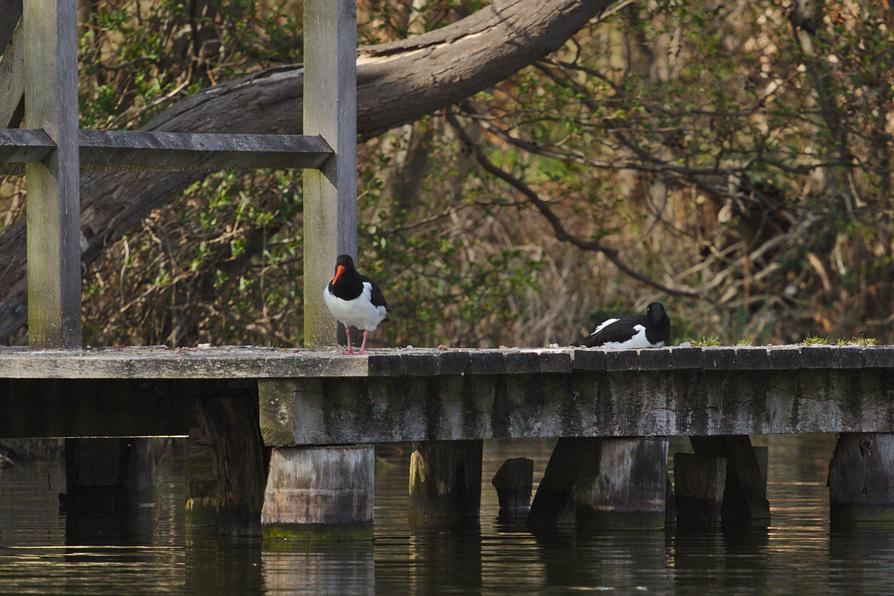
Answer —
354 300
650 330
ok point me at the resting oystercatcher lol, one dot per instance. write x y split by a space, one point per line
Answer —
650 330
354 300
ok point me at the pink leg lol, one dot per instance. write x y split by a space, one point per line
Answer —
363 345
350 348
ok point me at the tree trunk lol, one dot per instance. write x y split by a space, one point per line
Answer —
397 83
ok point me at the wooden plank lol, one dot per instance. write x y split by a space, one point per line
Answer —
330 194
168 150
189 151
53 202
19 146
12 78
247 362
580 404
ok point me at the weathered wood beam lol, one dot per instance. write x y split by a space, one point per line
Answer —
53 200
330 195
580 404
318 485
188 151
12 78
861 479
745 494
19 146
171 151
228 421
270 363
607 483
445 481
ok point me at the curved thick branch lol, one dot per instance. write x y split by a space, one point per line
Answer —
559 230
397 83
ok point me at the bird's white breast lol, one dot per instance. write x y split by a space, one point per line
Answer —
359 312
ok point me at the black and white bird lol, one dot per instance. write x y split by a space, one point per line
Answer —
354 300
650 330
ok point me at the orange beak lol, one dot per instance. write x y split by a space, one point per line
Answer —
338 272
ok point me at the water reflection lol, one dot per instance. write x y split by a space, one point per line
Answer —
42 551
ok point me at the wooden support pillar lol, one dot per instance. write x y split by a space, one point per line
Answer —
53 203
745 492
861 478
625 487
514 481
553 504
104 476
311 486
699 484
445 480
330 194
225 466
609 483
705 491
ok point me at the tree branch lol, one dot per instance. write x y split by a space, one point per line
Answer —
397 83
559 230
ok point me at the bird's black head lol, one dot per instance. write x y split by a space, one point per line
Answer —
655 312
344 264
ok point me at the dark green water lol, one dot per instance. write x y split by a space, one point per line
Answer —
153 551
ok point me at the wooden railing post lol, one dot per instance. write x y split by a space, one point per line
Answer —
309 486
53 202
330 194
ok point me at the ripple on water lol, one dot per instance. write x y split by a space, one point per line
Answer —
42 552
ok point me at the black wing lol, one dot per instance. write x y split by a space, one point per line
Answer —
376 296
619 331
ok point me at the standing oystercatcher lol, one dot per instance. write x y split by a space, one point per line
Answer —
650 330
354 300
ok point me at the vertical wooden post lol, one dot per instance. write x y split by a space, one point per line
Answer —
861 479
327 485
318 485
514 482
745 494
103 476
625 487
445 480
53 203
330 194
699 482
227 476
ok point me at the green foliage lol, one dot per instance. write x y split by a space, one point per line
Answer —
816 340
858 341
702 342
704 146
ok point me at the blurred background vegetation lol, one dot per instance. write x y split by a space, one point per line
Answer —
731 159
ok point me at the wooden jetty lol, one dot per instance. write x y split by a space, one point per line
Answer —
287 437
